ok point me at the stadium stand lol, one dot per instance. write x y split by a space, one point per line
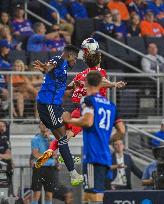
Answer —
16 54
140 104
138 44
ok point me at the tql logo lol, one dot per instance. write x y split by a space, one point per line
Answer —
146 201
124 202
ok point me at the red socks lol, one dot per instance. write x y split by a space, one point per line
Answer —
54 145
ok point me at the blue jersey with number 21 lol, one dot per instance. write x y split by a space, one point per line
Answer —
96 138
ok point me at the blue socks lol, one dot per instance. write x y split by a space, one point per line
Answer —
65 153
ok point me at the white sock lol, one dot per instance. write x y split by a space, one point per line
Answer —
73 173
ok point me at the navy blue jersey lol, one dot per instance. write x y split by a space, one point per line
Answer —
54 85
96 138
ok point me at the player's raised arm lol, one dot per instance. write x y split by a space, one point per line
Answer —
108 84
44 67
85 120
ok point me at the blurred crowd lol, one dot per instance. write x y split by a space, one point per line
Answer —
143 18
117 18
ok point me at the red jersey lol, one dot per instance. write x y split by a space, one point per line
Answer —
80 91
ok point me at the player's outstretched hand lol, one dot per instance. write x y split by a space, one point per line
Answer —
39 65
66 117
120 84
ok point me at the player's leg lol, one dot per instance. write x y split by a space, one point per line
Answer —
94 184
51 116
60 134
72 131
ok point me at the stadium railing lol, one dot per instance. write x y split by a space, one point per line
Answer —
139 142
128 48
46 5
132 52
142 100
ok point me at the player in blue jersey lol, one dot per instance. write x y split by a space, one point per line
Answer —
49 101
98 118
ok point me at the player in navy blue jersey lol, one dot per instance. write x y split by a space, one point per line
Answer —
49 101
99 116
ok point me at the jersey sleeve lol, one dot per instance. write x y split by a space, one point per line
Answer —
77 77
54 60
57 61
103 73
87 105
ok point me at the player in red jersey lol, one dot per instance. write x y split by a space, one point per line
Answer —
78 85
93 61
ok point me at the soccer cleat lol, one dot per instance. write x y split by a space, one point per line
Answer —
42 160
77 160
76 179
60 159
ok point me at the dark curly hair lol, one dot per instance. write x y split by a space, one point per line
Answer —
92 60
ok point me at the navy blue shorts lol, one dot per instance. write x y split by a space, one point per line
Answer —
94 177
51 115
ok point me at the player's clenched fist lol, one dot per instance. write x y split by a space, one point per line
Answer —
120 84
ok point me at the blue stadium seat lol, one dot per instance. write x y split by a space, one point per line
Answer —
83 29
79 66
117 50
15 54
52 54
42 56
138 44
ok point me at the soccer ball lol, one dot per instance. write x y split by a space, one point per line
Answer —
90 46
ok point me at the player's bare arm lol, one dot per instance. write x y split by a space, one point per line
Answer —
107 84
84 121
71 87
44 67
120 130
74 84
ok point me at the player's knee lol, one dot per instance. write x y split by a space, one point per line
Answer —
68 198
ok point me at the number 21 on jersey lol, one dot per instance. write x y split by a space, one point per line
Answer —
105 118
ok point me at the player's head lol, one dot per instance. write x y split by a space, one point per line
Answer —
93 82
70 53
92 60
